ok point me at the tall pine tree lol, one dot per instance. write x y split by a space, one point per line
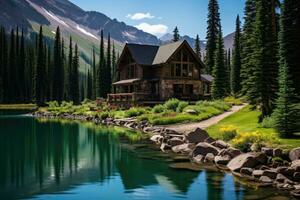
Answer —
108 78
101 70
176 36
197 46
75 77
58 72
287 112
213 23
235 79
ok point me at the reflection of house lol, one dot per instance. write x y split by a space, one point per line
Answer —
207 82
157 73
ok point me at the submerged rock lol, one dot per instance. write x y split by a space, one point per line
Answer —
204 148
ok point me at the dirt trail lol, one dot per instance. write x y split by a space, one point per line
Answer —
187 127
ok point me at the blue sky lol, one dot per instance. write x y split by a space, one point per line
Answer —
161 16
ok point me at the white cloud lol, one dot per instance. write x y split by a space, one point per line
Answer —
155 29
139 16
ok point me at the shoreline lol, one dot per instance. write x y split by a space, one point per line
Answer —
200 148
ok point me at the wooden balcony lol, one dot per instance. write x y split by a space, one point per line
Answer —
128 97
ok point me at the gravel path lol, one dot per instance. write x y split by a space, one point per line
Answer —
187 127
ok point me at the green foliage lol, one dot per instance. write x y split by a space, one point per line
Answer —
227 133
176 36
158 108
103 115
174 119
135 111
268 122
172 104
181 106
233 101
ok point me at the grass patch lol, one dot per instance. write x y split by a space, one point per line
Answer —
246 121
18 107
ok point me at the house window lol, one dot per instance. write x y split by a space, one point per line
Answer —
185 70
177 70
185 56
178 89
173 70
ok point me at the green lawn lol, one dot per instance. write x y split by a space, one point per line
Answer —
246 120
18 107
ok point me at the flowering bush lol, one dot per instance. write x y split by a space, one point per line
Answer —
228 132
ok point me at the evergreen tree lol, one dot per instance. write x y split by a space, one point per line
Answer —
287 112
94 68
220 84
40 72
22 68
235 80
2 67
75 76
114 64
89 85
176 36
58 72
101 70
108 78
247 51
12 70
198 47
265 57
213 23
70 69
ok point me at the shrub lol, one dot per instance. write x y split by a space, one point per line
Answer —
172 104
181 106
158 109
104 115
179 118
228 132
135 111
233 101
218 104
268 122
243 141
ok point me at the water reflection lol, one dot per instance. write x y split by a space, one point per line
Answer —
51 159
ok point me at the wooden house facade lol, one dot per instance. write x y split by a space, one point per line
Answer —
157 73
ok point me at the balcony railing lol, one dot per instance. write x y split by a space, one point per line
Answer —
128 97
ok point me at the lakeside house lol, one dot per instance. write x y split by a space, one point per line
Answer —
150 74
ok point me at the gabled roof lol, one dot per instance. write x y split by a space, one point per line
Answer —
154 55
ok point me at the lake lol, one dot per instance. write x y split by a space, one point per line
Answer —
52 159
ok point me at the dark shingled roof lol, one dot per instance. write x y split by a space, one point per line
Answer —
153 55
207 78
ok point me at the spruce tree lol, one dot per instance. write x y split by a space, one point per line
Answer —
58 72
114 64
265 57
22 68
101 70
94 70
213 23
108 78
176 36
235 80
70 70
2 71
287 112
40 72
12 70
248 50
75 76
220 83
89 85
198 47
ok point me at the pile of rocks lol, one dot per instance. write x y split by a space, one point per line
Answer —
266 167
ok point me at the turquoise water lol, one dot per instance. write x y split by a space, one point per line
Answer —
62 160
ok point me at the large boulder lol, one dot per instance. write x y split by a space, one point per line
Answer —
296 165
157 139
294 154
175 141
222 160
220 144
248 160
232 152
184 148
270 173
197 136
204 148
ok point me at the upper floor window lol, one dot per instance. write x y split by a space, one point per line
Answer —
182 65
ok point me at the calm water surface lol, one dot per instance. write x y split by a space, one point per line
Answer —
61 160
